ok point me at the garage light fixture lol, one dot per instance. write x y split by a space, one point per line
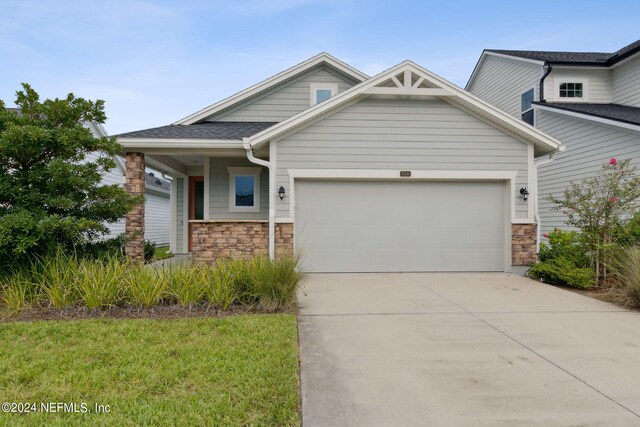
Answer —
524 193
281 192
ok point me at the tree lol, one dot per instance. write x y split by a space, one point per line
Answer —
49 191
598 206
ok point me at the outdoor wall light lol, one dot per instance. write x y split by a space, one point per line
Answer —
281 192
524 193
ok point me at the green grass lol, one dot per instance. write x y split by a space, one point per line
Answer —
162 252
238 370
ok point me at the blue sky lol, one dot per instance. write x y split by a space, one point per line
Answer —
154 62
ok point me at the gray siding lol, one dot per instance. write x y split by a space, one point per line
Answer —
157 217
626 83
179 183
501 81
598 84
284 101
589 146
219 190
400 134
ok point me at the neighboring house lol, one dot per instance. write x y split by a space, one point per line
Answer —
589 101
402 171
157 197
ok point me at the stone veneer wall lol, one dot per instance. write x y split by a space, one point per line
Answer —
238 239
523 244
134 223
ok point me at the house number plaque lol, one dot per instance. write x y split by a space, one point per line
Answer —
405 173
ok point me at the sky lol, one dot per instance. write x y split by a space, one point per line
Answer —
154 62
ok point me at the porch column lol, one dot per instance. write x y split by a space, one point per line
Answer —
134 226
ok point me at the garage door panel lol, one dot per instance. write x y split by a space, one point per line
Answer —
358 226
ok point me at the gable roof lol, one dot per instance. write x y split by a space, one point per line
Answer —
597 59
288 74
409 79
204 130
615 112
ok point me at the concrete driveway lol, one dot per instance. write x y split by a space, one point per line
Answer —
463 349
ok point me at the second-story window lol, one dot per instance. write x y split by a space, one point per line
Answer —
526 106
570 90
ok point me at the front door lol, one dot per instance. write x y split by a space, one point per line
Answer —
196 203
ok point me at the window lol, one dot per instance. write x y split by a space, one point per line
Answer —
322 91
244 189
526 106
570 90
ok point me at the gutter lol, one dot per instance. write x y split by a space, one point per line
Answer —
548 67
272 193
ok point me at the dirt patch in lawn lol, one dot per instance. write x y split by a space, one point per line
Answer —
159 312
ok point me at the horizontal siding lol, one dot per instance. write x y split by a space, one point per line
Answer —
598 84
179 182
284 101
626 83
157 218
400 134
501 81
219 190
589 146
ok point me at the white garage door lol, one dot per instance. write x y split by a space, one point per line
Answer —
391 226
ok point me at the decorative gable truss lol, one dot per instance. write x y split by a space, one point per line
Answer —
408 79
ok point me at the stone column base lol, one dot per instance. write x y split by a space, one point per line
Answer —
523 244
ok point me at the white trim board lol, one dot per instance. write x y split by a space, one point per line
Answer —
322 58
589 117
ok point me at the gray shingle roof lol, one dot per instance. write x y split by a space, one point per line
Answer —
620 113
604 59
204 130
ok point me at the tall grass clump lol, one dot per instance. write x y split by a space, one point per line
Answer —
225 283
626 289
99 282
18 291
145 286
274 283
57 275
188 282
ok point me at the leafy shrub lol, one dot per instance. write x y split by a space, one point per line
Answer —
626 289
561 271
149 250
563 261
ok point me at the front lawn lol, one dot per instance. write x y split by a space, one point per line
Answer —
237 370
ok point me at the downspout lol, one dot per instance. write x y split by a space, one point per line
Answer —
536 214
544 76
272 193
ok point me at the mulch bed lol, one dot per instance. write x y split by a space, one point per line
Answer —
158 312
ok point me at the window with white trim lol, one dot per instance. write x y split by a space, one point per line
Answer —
322 91
526 106
244 189
570 90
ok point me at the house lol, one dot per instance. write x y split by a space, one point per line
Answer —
402 171
588 100
157 197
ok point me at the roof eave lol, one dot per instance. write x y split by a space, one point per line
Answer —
272 81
